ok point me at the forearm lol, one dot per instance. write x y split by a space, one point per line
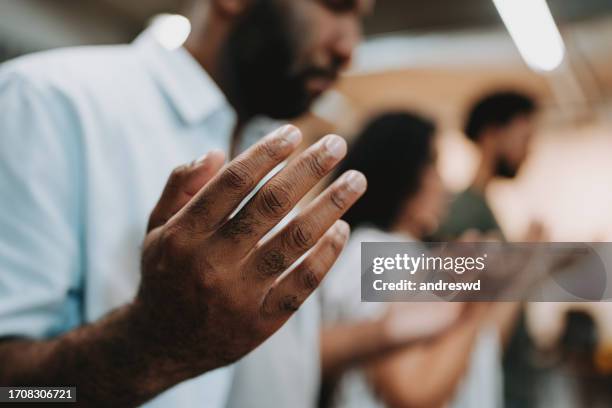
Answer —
111 362
427 376
346 345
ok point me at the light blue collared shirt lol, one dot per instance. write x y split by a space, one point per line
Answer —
88 137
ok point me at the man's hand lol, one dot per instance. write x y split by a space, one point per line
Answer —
211 291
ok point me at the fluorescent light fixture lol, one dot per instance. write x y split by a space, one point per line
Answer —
534 32
170 30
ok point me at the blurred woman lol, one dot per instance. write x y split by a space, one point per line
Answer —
374 354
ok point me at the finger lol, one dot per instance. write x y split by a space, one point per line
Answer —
288 293
303 232
212 205
184 183
274 201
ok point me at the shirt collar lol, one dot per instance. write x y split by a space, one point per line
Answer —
190 89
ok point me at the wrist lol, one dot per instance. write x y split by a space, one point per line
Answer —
171 343
166 355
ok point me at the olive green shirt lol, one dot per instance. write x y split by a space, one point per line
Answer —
469 210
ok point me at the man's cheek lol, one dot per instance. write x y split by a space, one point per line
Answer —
299 30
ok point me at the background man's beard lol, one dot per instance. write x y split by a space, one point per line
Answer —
505 169
257 62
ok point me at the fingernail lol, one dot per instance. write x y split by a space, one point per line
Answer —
356 181
202 159
342 228
290 135
335 146
206 157
293 136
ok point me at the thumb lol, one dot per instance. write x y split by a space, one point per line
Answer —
185 182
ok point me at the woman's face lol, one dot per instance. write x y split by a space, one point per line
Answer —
424 211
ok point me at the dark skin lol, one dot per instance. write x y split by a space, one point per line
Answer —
197 308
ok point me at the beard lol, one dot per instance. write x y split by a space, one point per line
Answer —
258 64
505 169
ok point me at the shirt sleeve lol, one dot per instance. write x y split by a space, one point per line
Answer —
39 211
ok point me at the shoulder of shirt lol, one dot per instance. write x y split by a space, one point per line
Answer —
72 68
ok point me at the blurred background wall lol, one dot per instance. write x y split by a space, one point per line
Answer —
436 57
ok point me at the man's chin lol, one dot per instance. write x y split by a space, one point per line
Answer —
507 174
318 87
287 111
506 171
280 102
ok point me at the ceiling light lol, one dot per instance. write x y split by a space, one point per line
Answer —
170 30
534 32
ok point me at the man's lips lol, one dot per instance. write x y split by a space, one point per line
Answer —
319 84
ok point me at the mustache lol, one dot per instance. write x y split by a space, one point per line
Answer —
326 73
331 72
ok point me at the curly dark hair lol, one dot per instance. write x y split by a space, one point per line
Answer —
392 152
497 109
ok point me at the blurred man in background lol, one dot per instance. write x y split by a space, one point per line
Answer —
501 125
88 137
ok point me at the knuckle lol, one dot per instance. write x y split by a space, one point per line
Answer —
271 150
275 201
179 171
338 199
158 216
179 174
301 237
173 241
199 219
275 304
242 225
316 166
310 279
175 180
289 304
238 176
272 262
200 207
336 243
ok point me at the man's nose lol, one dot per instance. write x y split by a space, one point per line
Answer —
348 37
